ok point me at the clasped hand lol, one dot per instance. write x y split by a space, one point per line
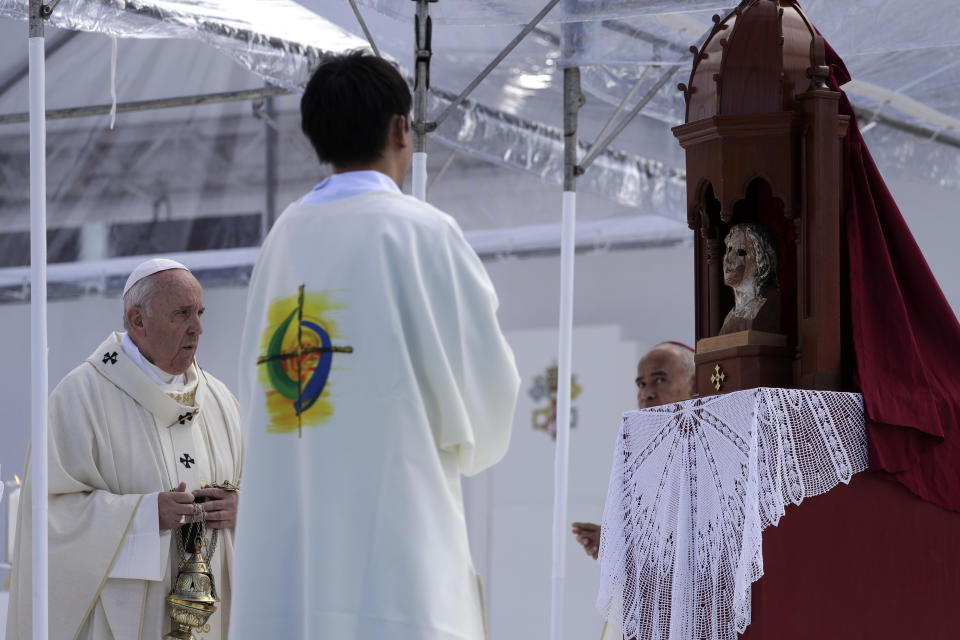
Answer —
219 509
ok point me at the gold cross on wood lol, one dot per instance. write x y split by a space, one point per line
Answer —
718 377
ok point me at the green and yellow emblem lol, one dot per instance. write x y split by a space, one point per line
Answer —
298 355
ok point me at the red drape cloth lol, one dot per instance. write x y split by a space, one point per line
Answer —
906 336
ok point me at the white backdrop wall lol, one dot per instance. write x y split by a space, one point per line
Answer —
510 507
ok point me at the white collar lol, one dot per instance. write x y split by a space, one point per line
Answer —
340 186
155 373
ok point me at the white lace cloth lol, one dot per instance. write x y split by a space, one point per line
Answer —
694 485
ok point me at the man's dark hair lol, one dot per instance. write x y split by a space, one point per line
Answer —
348 104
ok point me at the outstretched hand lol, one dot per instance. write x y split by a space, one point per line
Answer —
588 534
171 505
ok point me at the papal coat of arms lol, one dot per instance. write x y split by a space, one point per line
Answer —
545 388
298 347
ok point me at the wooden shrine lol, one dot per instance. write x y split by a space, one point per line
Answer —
764 146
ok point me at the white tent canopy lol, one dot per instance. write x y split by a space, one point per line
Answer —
207 161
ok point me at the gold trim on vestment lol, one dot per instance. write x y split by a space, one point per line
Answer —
208 444
186 398
163 452
237 458
483 606
103 582
143 608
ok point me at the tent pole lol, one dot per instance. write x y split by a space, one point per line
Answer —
572 101
530 26
38 317
423 29
363 25
443 170
151 105
602 143
270 179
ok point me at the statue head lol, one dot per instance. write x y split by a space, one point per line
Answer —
750 260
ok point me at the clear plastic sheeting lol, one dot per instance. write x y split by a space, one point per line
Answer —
521 106
648 185
610 83
903 48
196 177
877 27
655 39
907 48
277 39
919 159
497 12
189 178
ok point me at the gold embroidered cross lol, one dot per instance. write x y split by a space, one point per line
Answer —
718 377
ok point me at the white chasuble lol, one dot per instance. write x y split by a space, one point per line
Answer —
373 374
114 438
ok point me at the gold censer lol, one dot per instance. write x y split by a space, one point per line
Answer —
193 598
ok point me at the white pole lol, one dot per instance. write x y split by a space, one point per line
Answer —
422 30
38 318
564 370
420 175
572 101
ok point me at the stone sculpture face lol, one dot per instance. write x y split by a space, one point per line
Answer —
738 260
750 259
750 269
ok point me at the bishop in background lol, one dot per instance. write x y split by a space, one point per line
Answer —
137 431
373 373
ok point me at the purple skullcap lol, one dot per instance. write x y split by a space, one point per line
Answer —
681 344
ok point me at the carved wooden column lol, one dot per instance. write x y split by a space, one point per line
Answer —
715 249
822 244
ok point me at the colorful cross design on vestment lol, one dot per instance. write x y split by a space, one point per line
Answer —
110 357
187 460
303 391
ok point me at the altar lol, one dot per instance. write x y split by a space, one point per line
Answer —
753 513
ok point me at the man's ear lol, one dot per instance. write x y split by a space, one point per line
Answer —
400 131
135 320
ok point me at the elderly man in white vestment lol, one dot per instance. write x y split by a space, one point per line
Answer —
373 374
137 433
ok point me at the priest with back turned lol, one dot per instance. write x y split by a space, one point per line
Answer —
138 436
373 374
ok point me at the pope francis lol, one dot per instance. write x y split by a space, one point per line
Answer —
137 434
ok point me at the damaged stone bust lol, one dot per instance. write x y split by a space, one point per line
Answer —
750 269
